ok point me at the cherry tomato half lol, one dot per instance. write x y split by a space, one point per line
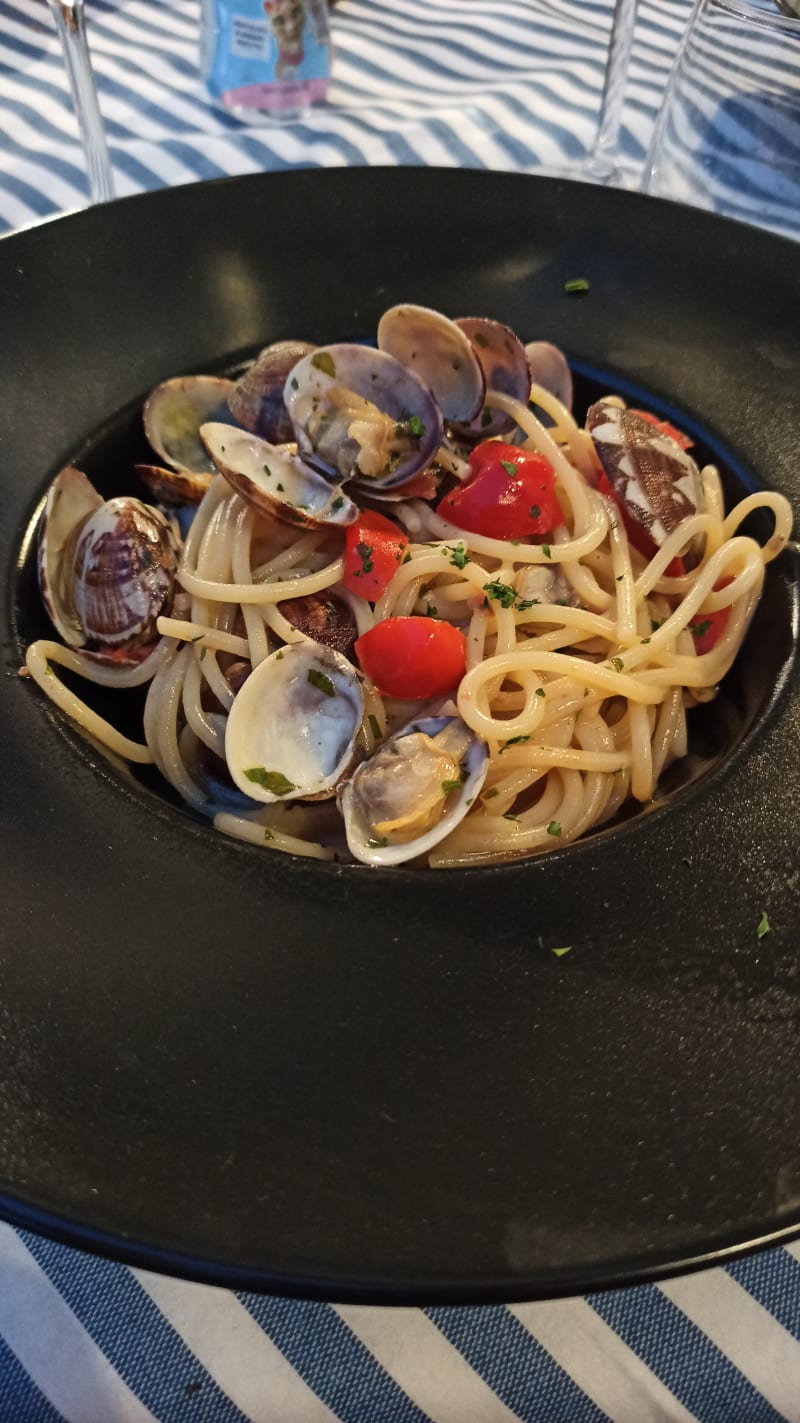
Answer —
707 628
511 495
638 535
373 548
413 658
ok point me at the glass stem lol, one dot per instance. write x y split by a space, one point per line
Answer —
71 24
604 158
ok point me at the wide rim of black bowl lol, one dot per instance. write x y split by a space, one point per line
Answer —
400 1152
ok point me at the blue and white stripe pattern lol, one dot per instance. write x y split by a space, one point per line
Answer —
511 85
89 1341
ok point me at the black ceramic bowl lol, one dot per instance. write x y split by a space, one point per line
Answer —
353 1083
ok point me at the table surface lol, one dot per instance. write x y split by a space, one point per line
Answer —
512 86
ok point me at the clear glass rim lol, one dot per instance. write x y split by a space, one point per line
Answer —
763 13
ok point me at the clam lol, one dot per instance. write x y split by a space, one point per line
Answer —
256 400
549 368
504 363
292 728
106 568
656 481
172 416
275 480
440 353
413 791
358 414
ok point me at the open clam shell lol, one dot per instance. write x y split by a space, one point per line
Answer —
275 480
654 479
413 790
359 414
550 369
256 400
440 353
172 416
502 358
106 569
292 729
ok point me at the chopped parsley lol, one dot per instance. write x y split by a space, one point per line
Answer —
448 786
513 741
502 593
323 361
364 552
645 640
273 781
267 471
763 926
407 558
378 844
700 629
374 727
294 383
278 656
656 623
540 692
431 611
546 550
554 828
492 791
268 835
617 663
415 426
199 637
509 816
486 418
458 556
576 286
510 468
279 488
524 603
534 512
330 613
203 651
321 682
337 503
559 953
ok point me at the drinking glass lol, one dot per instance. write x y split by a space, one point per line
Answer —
70 21
728 135
602 164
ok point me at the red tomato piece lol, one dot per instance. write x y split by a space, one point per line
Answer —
637 533
373 548
707 628
413 658
510 496
665 428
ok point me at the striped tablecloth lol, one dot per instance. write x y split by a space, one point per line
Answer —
515 85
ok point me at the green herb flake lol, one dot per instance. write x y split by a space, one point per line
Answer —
431 611
511 469
364 552
559 953
323 361
656 623
502 593
763 926
203 651
513 741
199 637
278 656
509 816
620 577
576 286
535 512
337 503
279 488
645 641
374 727
267 471
448 786
294 383
458 556
486 418
377 844
407 558
554 828
617 664
268 835
415 426
273 781
321 682
524 603
546 550
491 793
540 692
700 629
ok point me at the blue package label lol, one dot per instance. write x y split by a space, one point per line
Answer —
266 54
